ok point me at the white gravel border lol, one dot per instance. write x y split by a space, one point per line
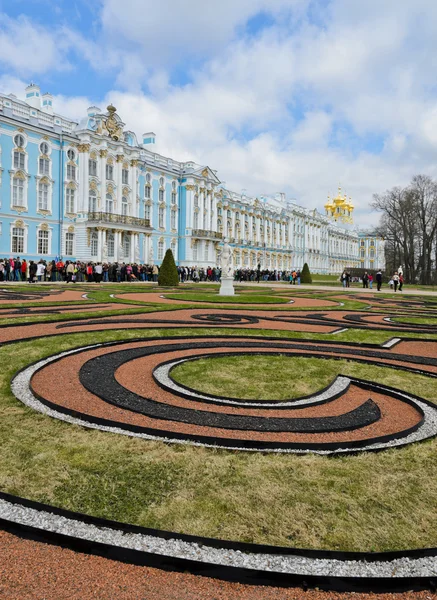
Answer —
20 387
177 548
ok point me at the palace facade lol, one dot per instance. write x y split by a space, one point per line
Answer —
91 191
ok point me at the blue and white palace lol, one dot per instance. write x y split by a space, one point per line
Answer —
91 191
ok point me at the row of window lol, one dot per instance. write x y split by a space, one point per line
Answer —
18 241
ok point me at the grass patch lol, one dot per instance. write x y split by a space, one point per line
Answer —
258 377
237 299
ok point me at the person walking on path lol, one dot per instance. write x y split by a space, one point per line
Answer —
395 281
378 280
401 281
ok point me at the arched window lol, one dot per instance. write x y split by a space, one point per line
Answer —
17 240
160 250
196 220
44 166
161 182
173 219
92 201
110 245
18 191
92 167
161 217
70 198
109 172
43 196
126 246
69 244
43 242
124 206
109 207
94 244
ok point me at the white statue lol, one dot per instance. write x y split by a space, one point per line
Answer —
226 260
400 270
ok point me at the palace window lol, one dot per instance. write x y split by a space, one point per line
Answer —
161 195
160 250
69 244
71 172
19 159
92 167
109 172
173 197
19 140
147 192
124 206
44 166
206 256
196 201
161 181
71 154
43 242
92 201
70 200
44 148
94 244
43 196
125 176
17 240
18 191
173 248
109 208
110 244
126 246
147 212
173 219
196 220
195 248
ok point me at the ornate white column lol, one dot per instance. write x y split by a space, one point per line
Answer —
118 167
103 154
133 174
99 243
84 155
189 204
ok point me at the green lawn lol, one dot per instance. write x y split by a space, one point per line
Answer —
367 502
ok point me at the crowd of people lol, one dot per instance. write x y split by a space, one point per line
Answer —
16 269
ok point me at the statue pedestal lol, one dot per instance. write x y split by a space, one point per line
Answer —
227 287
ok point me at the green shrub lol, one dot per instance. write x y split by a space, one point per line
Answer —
168 273
305 276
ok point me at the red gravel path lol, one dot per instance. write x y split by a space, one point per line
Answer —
137 374
23 332
35 571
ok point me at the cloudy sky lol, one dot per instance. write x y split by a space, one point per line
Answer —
277 95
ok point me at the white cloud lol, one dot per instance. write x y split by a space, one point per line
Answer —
29 48
290 109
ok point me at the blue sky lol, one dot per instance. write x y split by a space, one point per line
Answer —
276 95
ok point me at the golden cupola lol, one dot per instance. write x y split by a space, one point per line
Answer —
340 208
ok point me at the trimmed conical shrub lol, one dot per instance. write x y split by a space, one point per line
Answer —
168 273
305 276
